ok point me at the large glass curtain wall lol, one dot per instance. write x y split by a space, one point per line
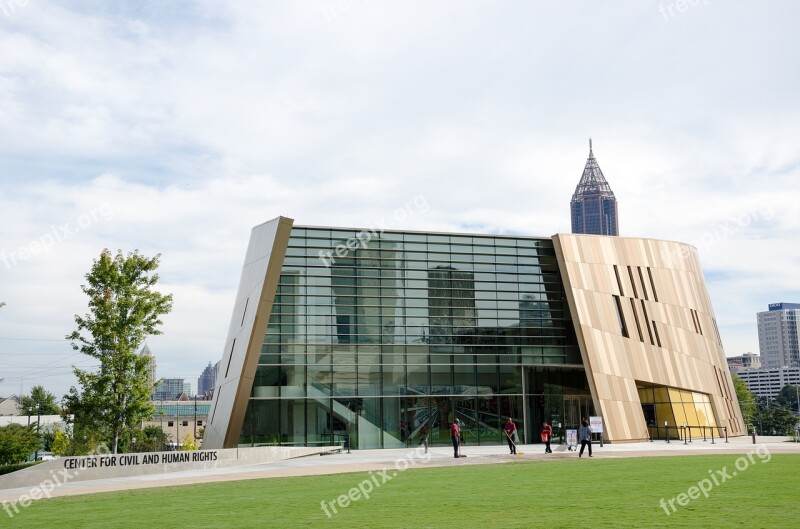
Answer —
384 338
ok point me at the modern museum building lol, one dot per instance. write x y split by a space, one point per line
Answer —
378 338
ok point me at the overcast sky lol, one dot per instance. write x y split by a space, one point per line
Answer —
173 127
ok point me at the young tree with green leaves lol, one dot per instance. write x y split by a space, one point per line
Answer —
788 396
746 400
17 443
124 308
39 402
60 444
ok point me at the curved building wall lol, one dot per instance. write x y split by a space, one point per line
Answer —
644 322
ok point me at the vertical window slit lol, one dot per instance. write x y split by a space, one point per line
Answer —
652 284
619 283
633 283
623 327
641 278
636 318
647 323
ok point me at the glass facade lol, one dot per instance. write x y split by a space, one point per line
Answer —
383 338
594 214
674 408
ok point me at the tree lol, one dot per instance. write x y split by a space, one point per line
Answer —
124 309
39 402
788 396
60 444
17 443
151 439
189 442
775 420
746 399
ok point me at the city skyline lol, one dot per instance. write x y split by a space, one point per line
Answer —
174 128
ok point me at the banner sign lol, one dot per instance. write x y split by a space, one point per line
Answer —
572 437
596 423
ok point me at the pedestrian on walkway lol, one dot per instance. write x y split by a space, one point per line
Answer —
455 435
511 431
585 436
547 433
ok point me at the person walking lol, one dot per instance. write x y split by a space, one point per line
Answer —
511 431
547 433
455 435
585 436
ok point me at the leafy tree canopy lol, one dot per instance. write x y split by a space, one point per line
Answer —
39 402
788 396
124 308
17 443
746 399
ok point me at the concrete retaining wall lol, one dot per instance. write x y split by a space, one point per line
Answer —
105 466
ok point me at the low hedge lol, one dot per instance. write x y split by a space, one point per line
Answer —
7 469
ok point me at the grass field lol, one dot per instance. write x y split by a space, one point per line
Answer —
583 493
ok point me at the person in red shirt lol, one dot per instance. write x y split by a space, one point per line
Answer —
511 430
455 435
547 433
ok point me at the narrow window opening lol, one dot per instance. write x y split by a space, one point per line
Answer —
619 282
641 278
636 317
621 317
633 283
652 284
647 323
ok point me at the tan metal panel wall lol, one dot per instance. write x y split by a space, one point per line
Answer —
689 357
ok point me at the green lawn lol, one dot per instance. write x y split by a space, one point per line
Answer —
584 493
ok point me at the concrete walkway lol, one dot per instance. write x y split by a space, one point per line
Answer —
396 460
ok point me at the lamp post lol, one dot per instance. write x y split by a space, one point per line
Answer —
178 427
38 429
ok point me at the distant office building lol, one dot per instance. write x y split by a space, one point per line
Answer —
777 335
745 361
767 382
593 206
207 379
172 389
151 369
179 418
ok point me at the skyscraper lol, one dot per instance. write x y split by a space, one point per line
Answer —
206 381
593 206
151 369
778 330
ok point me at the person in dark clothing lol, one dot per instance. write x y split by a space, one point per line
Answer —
455 435
585 436
547 433
511 430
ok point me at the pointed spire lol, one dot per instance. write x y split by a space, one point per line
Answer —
592 181
593 205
